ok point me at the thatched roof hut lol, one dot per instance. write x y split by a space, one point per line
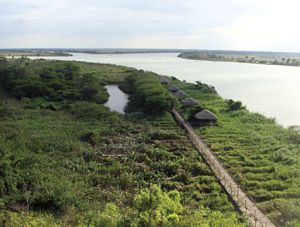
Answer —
173 88
190 102
181 94
164 81
204 117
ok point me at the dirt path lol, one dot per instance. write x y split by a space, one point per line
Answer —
245 205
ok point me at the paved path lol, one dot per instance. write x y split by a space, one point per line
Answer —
245 205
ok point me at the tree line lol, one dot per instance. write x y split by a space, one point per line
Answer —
58 81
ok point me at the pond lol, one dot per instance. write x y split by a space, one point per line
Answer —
117 99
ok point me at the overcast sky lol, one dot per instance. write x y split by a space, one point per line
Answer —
202 24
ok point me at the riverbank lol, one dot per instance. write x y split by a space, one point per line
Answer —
268 89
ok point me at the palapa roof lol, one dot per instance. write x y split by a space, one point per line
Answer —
164 81
189 102
205 115
181 94
173 88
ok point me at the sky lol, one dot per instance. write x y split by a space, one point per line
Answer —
267 25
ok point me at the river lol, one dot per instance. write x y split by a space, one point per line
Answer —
268 89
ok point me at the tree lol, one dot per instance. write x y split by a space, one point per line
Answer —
89 93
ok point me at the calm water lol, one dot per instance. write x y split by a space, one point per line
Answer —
268 89
117 99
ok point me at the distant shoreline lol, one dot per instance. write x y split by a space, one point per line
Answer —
240 57
33 54
153 50
251 57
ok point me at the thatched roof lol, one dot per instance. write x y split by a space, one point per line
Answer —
205 115
181 94
173 88
164 81
189 102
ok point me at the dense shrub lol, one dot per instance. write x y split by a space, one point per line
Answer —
3 111
55 82
204 88
157 207
191 113
163 135
88 110
147 94
234 105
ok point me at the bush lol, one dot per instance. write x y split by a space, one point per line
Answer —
193 111
234 105
54 82
4 112
110 217
147 94
33 220
205 88
163 135
55 194
88 110
156 207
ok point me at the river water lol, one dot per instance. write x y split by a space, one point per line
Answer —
268 89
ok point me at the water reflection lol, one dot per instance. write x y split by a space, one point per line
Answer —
117 99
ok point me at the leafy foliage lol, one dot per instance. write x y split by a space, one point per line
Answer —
234 105
147 94
157 207
54 82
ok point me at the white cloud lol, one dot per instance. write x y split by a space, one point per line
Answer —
214 24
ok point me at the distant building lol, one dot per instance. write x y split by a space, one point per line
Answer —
204 117
164 81
173 88
181 94
189 102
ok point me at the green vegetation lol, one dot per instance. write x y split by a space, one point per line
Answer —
147 94
66 160
261 155
241 57
60 81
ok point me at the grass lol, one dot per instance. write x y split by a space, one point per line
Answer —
63 166
261 155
